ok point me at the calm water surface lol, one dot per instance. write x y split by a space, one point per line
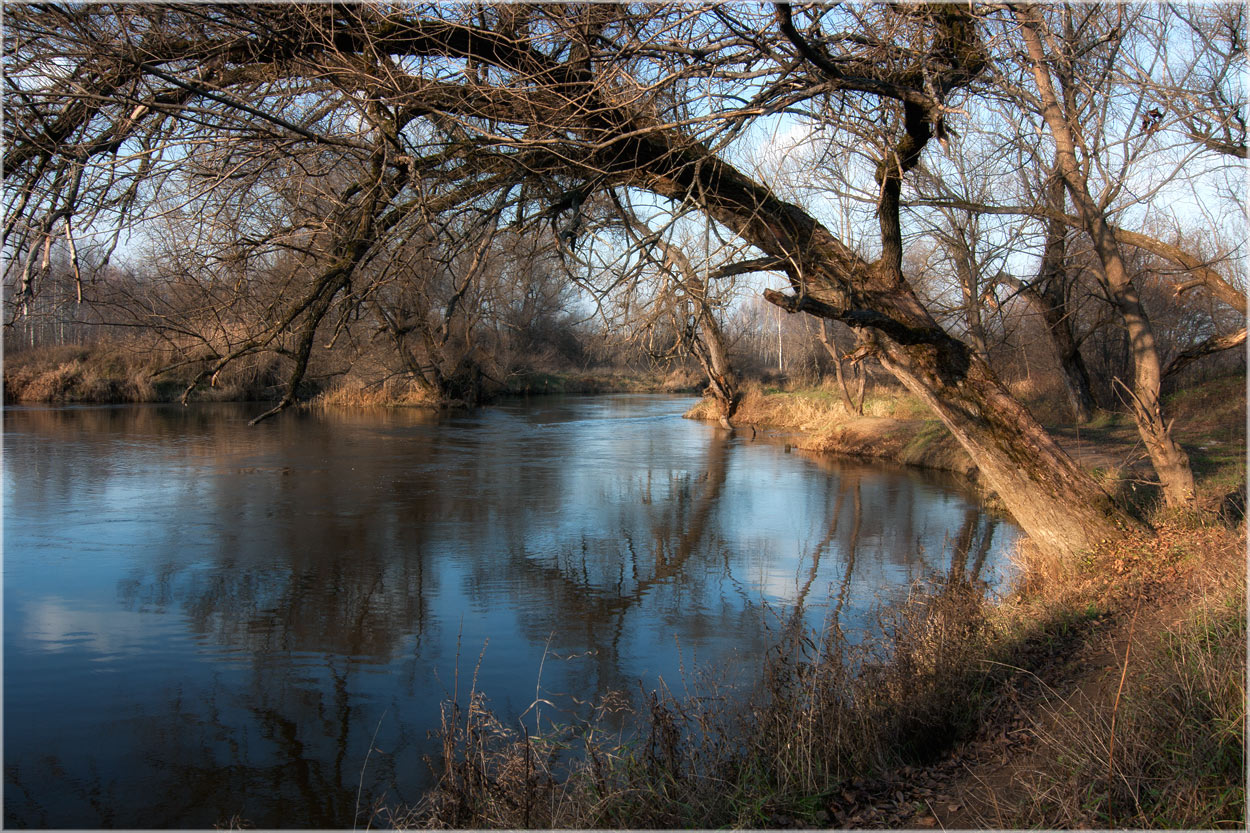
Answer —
204 620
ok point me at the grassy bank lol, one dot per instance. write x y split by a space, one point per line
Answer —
1209 420
119 374
1106 691
894 426
128 373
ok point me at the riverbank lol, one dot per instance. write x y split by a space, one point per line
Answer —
400 393
1101 692
115 375
1209 421
895 426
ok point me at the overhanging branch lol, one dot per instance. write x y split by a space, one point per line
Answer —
1215 344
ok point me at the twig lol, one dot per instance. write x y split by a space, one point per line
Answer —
538 698
1116 707
361 783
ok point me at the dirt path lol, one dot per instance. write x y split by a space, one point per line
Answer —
1113 449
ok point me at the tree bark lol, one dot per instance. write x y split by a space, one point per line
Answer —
1052 299
706 340
1049 294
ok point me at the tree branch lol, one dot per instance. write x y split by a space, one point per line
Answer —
1215 344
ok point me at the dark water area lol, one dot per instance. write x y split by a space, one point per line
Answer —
204 620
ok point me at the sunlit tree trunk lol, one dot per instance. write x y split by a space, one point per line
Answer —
1170 461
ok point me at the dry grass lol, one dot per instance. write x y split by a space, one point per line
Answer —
1154 734
75 374
802 747
895 426
353 391
127 372
394 391
821 408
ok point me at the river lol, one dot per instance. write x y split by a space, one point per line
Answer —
205 620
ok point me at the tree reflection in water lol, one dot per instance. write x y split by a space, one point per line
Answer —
296 587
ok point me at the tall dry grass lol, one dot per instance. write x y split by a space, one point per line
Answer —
824 717
393 391
1156 737
814 409
1167 751
77 374
128 372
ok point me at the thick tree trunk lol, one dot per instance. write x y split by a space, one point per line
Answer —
706 341
709 348
1053 500
1044 489
1049 296
1056 502
1170 462
1075 374
1052 298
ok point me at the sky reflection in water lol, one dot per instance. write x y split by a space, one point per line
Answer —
205 620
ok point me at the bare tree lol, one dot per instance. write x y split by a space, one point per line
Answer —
1055 74
852 391
422 109
1051 291
1103 129
689 298
1202 78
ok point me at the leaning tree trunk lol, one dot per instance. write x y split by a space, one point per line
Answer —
1049 495
1057 503
709 348
1170 462
705 339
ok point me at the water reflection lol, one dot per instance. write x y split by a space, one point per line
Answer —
243 616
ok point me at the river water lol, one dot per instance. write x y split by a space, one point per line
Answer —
205 620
